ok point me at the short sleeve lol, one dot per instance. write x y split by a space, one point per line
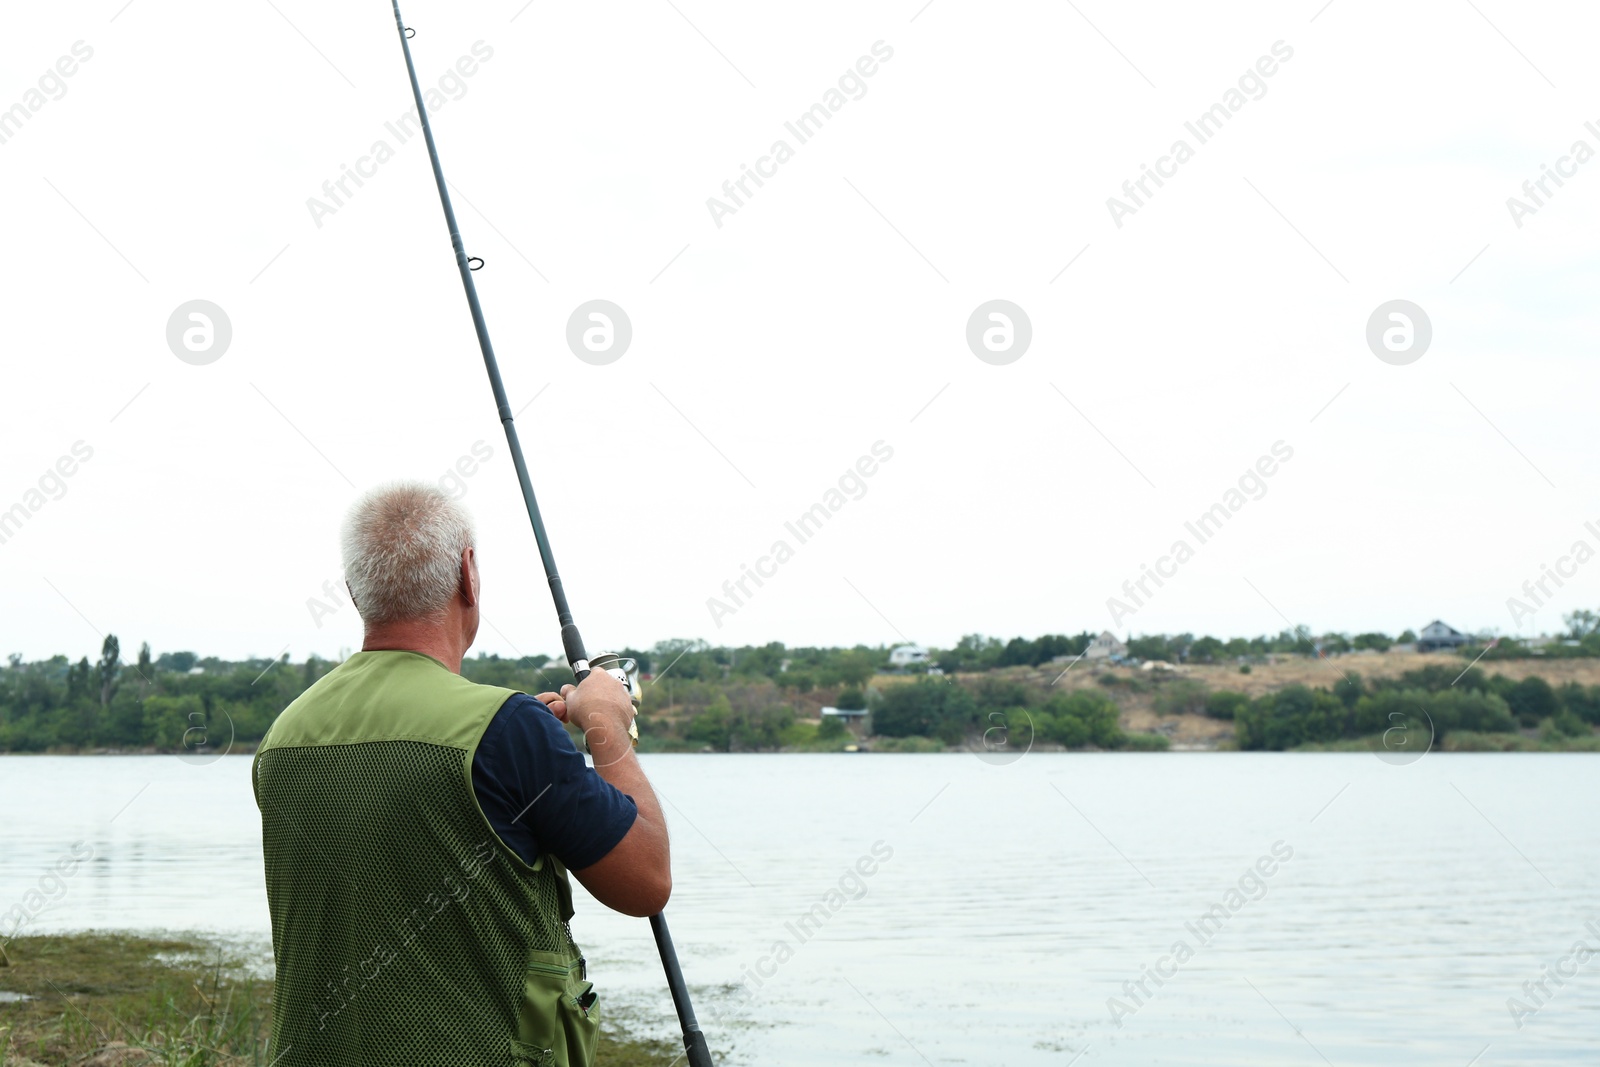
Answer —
538 792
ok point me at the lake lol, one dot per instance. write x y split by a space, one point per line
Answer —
1184 909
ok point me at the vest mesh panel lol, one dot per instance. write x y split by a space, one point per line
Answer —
401 925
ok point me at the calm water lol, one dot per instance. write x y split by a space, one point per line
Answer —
1016 901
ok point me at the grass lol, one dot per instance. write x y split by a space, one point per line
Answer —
1467 741
122 1000
909 744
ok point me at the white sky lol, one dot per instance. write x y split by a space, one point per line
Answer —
1222 317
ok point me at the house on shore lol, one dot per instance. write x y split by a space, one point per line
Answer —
1439 635
908 656
847 715
1106 646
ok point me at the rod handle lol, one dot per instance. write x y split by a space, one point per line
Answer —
694 1040
698 1052
572 644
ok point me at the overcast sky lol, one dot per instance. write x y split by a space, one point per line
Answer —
776 343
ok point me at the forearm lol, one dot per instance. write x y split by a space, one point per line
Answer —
616 761
635 877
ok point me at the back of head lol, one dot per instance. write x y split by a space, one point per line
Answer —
402 545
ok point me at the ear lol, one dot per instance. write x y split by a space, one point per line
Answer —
352 593
469 576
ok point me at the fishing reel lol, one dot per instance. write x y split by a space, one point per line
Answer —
626 671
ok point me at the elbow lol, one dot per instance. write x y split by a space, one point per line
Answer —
663 893
651 897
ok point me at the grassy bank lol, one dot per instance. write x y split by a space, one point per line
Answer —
1468 741
119 1000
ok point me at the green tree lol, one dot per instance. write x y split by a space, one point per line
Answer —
78 682
765 661
856 667
712 727
761 729
1349 688
1017 652
1582 701
1582 623
832 728
922 707
1152 647
974 652
177 662
168 718
1532 699
1336 644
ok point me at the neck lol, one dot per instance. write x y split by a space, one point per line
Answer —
429 638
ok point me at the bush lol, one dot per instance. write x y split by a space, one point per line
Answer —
1291 717
1145 743
1436 677
907 744
1133 683
851 699
1225 704
832 728
994 692
1079 719
1481 712
1467 741
1181 697
1582 701
1452 710
1569 725
723 729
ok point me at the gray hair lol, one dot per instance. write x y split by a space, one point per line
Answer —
402 545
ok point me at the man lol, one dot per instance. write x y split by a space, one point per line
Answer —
418 827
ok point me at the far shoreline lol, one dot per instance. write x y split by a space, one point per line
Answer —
1450 744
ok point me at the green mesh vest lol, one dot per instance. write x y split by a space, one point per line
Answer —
405 931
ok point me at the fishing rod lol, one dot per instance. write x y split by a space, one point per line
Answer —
694 1040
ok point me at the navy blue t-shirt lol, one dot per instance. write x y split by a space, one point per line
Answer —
538 792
